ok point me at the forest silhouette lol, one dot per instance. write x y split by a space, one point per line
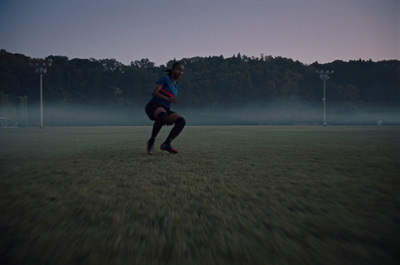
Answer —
107 92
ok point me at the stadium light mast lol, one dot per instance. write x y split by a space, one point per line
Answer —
41 68
324 75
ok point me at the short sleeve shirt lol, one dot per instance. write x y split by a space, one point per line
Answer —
168 89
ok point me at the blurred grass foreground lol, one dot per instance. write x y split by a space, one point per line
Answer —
233 195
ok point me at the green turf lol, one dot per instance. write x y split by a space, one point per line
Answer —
233 195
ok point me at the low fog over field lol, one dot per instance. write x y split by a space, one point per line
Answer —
292 112
283 112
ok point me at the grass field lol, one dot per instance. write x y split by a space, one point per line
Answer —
233 195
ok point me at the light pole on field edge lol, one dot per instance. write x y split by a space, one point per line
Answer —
41 68
324 75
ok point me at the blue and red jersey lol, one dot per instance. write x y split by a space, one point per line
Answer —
168 88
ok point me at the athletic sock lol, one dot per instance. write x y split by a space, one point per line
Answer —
149 148
179 125
159 123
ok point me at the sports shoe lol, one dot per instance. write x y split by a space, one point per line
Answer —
149 148
169 148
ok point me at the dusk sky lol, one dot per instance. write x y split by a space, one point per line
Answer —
161 30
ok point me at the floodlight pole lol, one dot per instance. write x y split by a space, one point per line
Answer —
41 69
324 75
41 100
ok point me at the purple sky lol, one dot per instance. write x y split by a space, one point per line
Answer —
161 30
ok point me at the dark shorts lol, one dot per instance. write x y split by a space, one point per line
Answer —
152 106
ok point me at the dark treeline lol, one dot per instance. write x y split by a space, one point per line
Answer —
209 82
